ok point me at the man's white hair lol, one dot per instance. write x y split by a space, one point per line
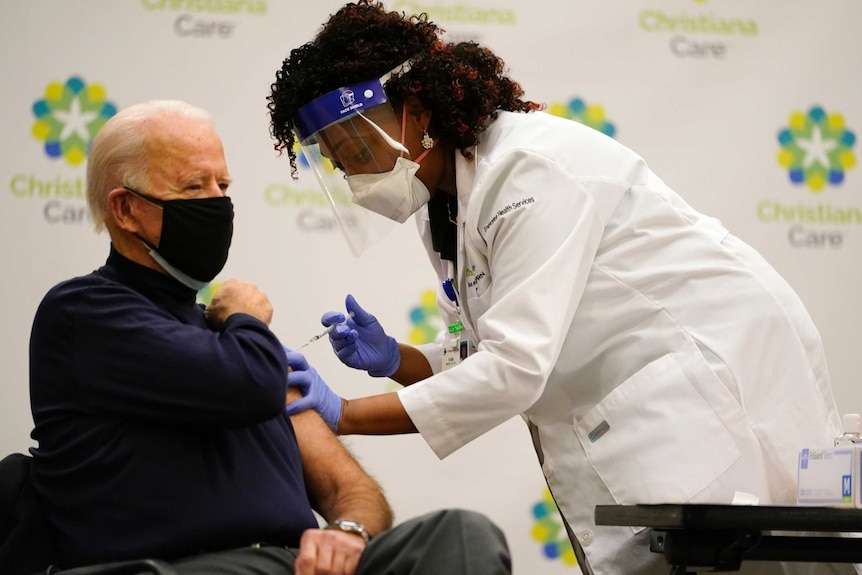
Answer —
118 156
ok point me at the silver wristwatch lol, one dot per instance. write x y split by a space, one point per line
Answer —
350 527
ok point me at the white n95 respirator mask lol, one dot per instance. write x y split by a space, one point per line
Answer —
396 194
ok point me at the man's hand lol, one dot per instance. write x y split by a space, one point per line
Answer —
235 296
328 552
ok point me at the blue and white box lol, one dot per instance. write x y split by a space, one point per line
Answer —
829 477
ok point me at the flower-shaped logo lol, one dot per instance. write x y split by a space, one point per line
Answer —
592 115
816 149
425 322
549 530
69 117
425 318
206 293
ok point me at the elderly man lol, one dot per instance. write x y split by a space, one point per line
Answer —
161 426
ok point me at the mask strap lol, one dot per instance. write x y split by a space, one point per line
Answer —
404 132
425 153
149 199
389 140
403 126
177 274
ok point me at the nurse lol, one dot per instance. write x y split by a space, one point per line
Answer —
654 356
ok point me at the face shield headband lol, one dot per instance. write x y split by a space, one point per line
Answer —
343 102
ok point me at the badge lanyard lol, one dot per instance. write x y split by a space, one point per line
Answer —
456 344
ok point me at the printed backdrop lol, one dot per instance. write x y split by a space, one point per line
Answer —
751 110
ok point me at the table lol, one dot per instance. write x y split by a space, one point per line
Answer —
721 537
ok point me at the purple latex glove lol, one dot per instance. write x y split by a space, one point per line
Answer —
360 341
316 394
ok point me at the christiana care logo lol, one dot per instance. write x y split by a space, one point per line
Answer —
425 322
206 293
303 198
816 149
68 118
592 115
549 530
703 31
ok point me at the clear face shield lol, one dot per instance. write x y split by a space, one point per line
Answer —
352 139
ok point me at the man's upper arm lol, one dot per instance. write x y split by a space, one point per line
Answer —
171 370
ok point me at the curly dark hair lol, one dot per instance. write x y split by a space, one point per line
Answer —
463 84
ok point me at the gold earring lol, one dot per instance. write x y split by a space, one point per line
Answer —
427 141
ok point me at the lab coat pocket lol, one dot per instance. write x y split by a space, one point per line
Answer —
655 439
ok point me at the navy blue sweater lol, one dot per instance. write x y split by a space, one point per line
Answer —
157 436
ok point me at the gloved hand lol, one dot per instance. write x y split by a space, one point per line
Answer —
360 342
316 394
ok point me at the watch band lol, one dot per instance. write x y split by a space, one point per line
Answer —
349 526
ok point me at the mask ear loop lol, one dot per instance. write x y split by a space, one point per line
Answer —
403 127
404 133
386 137
425 153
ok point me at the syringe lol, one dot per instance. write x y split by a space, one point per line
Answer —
323 333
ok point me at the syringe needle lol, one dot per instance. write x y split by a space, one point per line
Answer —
318 336
323 333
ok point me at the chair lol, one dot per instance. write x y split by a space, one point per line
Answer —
27 543
26 539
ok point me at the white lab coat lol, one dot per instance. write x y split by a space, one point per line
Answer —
598 299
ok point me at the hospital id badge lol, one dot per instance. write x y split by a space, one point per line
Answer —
456 346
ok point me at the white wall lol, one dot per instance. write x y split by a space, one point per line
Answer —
701 88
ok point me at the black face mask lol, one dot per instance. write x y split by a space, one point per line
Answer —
196 236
